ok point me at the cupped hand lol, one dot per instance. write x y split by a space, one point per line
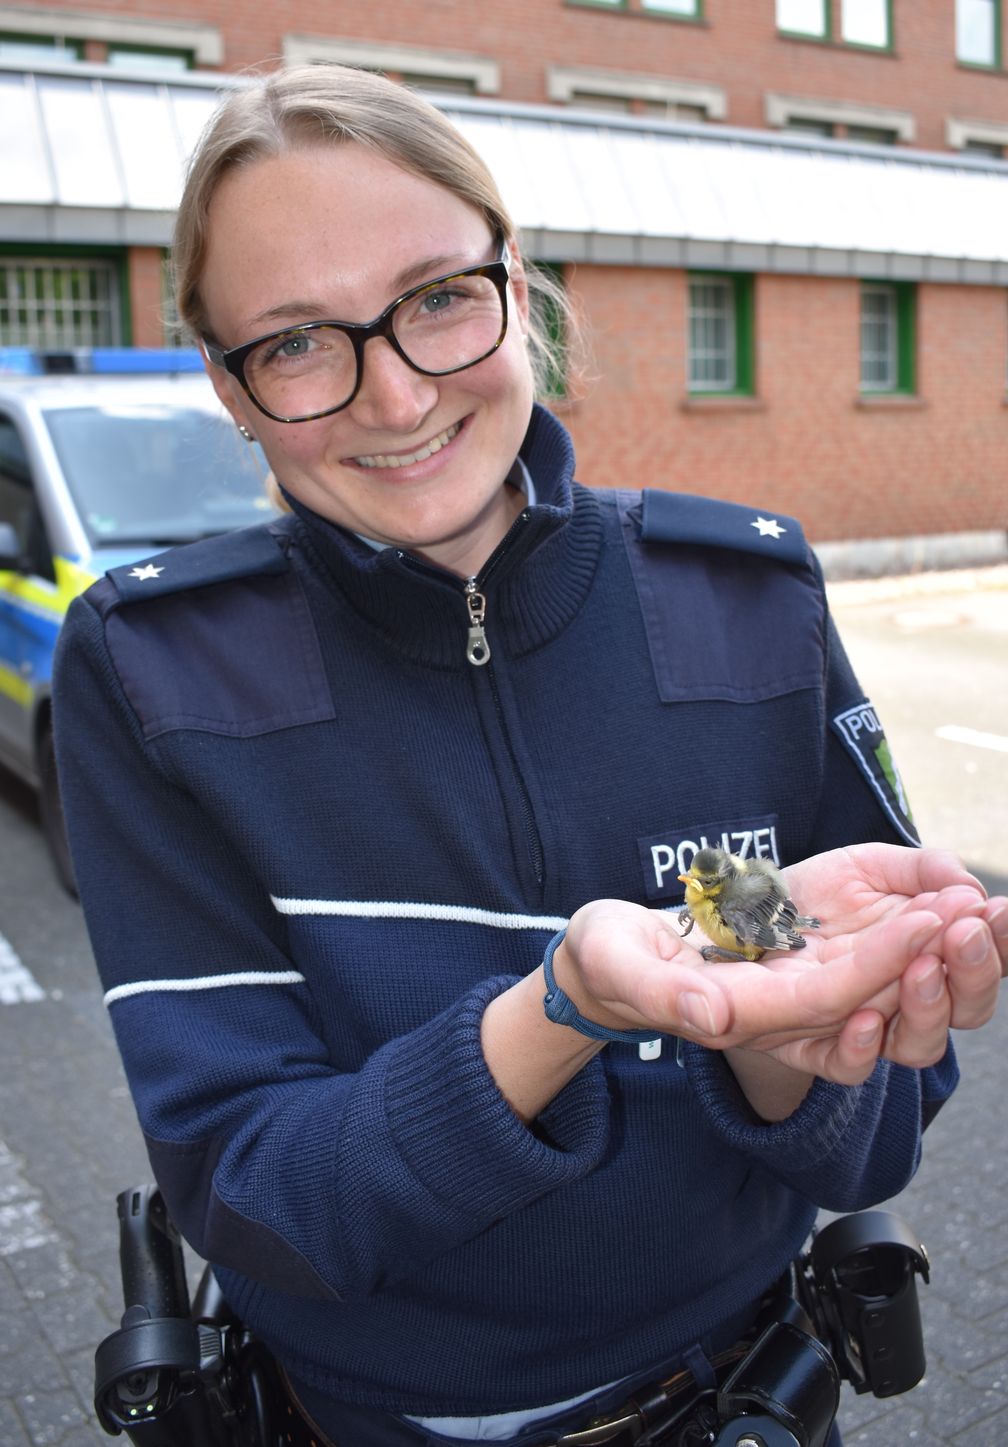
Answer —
908 946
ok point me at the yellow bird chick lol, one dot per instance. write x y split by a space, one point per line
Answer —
742 906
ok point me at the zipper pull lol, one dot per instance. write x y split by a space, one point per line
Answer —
477 648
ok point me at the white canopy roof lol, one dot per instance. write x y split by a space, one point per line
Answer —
88 154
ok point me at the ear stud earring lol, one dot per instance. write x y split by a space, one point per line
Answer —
245 432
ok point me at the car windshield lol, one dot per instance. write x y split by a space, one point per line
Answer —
154 473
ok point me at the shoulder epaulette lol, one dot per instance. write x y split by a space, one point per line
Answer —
681 517
245 553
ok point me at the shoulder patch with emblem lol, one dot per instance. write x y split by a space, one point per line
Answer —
861 733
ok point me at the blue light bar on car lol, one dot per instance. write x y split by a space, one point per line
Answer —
99 361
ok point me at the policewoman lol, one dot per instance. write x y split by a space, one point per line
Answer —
336 785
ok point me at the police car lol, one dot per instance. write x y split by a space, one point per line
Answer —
106 456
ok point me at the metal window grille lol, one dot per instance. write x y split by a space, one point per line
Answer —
879 339
977 31
45 303
712 351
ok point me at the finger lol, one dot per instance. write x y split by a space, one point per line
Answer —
974 965
917 1035
855 1051
995 912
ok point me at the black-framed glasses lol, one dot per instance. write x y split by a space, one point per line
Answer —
442 326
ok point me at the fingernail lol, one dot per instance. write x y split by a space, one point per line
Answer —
931 985
974 947
868 1035
925 931
696 1013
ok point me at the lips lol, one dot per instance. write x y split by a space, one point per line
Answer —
404 459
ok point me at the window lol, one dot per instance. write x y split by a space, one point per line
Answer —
887 337
978 32
984 148
678 9
636 92
38 50
19 504
39 26
872 135
691 8
809 126
859 122
804 17
720 333
48 303
139 57
866 22
430 69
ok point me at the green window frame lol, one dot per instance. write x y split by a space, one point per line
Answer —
674 9
16 46
862 16
63 296
810 19
888 346
720 334
689 10
979 23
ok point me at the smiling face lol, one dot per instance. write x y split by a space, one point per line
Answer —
335 233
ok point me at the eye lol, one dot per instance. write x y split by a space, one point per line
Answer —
289 347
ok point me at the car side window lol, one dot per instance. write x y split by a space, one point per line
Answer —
19 503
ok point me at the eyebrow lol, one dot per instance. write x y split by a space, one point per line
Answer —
428 269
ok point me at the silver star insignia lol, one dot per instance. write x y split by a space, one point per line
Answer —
768 527
148 571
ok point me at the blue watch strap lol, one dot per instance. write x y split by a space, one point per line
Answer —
561 1009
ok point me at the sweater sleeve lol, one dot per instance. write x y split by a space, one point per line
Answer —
846 1147
273 1163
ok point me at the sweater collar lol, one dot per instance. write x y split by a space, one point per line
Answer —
533 584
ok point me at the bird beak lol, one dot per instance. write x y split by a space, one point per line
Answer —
685 879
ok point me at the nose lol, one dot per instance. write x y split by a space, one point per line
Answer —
392 396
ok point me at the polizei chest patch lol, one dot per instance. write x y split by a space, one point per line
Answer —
862 735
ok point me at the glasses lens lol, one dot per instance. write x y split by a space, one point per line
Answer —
451 324
302 373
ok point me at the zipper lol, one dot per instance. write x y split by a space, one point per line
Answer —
477 647
478 654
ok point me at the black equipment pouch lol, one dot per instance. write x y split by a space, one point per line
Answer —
862 1271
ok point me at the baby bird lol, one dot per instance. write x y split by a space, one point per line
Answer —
742 905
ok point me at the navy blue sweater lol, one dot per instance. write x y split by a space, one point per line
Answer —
313 841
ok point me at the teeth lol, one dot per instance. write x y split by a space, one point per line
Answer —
403 459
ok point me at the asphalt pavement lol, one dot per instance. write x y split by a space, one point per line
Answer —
69 1141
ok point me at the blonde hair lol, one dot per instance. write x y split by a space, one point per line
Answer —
319 104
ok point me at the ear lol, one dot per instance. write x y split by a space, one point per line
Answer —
229 393
518 282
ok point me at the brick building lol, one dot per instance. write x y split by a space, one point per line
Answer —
786 221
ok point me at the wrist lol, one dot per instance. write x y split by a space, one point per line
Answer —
563 1009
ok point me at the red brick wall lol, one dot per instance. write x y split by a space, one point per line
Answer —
806 444
145 296
736 46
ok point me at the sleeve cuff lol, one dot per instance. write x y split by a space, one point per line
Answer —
458 1135
809 1135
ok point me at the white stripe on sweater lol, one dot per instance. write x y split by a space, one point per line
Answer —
396 909
205 982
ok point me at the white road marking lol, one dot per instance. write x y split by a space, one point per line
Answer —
23 1222
976 737
17 984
